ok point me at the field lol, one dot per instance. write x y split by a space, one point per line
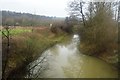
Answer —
18 30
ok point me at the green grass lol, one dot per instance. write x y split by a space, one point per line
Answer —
16 31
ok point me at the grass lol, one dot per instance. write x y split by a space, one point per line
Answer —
16 31
28 46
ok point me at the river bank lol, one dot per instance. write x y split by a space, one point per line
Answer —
110 57
64 60
27 46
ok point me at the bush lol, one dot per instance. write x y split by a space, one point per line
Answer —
99 35
62 26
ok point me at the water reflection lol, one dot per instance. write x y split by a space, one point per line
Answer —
65 61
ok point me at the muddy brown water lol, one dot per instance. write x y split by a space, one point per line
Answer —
64 60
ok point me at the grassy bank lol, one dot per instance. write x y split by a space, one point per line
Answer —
26 46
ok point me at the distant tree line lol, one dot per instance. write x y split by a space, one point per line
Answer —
25 19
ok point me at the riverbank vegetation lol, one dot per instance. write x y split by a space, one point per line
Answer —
95 22
25 45
98 28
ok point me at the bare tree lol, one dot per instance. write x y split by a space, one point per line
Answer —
76 8
6 34
118 18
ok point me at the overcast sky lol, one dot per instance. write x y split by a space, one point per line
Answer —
40 7
56 8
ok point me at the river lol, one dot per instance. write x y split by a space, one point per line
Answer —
64 60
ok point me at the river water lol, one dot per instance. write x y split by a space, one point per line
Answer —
64 60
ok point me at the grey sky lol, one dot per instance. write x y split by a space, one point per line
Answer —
40 7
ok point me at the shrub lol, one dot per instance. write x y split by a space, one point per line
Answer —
99 34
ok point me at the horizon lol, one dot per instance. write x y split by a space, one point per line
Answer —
31 13
38 7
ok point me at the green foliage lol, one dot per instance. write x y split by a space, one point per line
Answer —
16 31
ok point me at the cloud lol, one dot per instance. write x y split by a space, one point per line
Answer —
41 7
